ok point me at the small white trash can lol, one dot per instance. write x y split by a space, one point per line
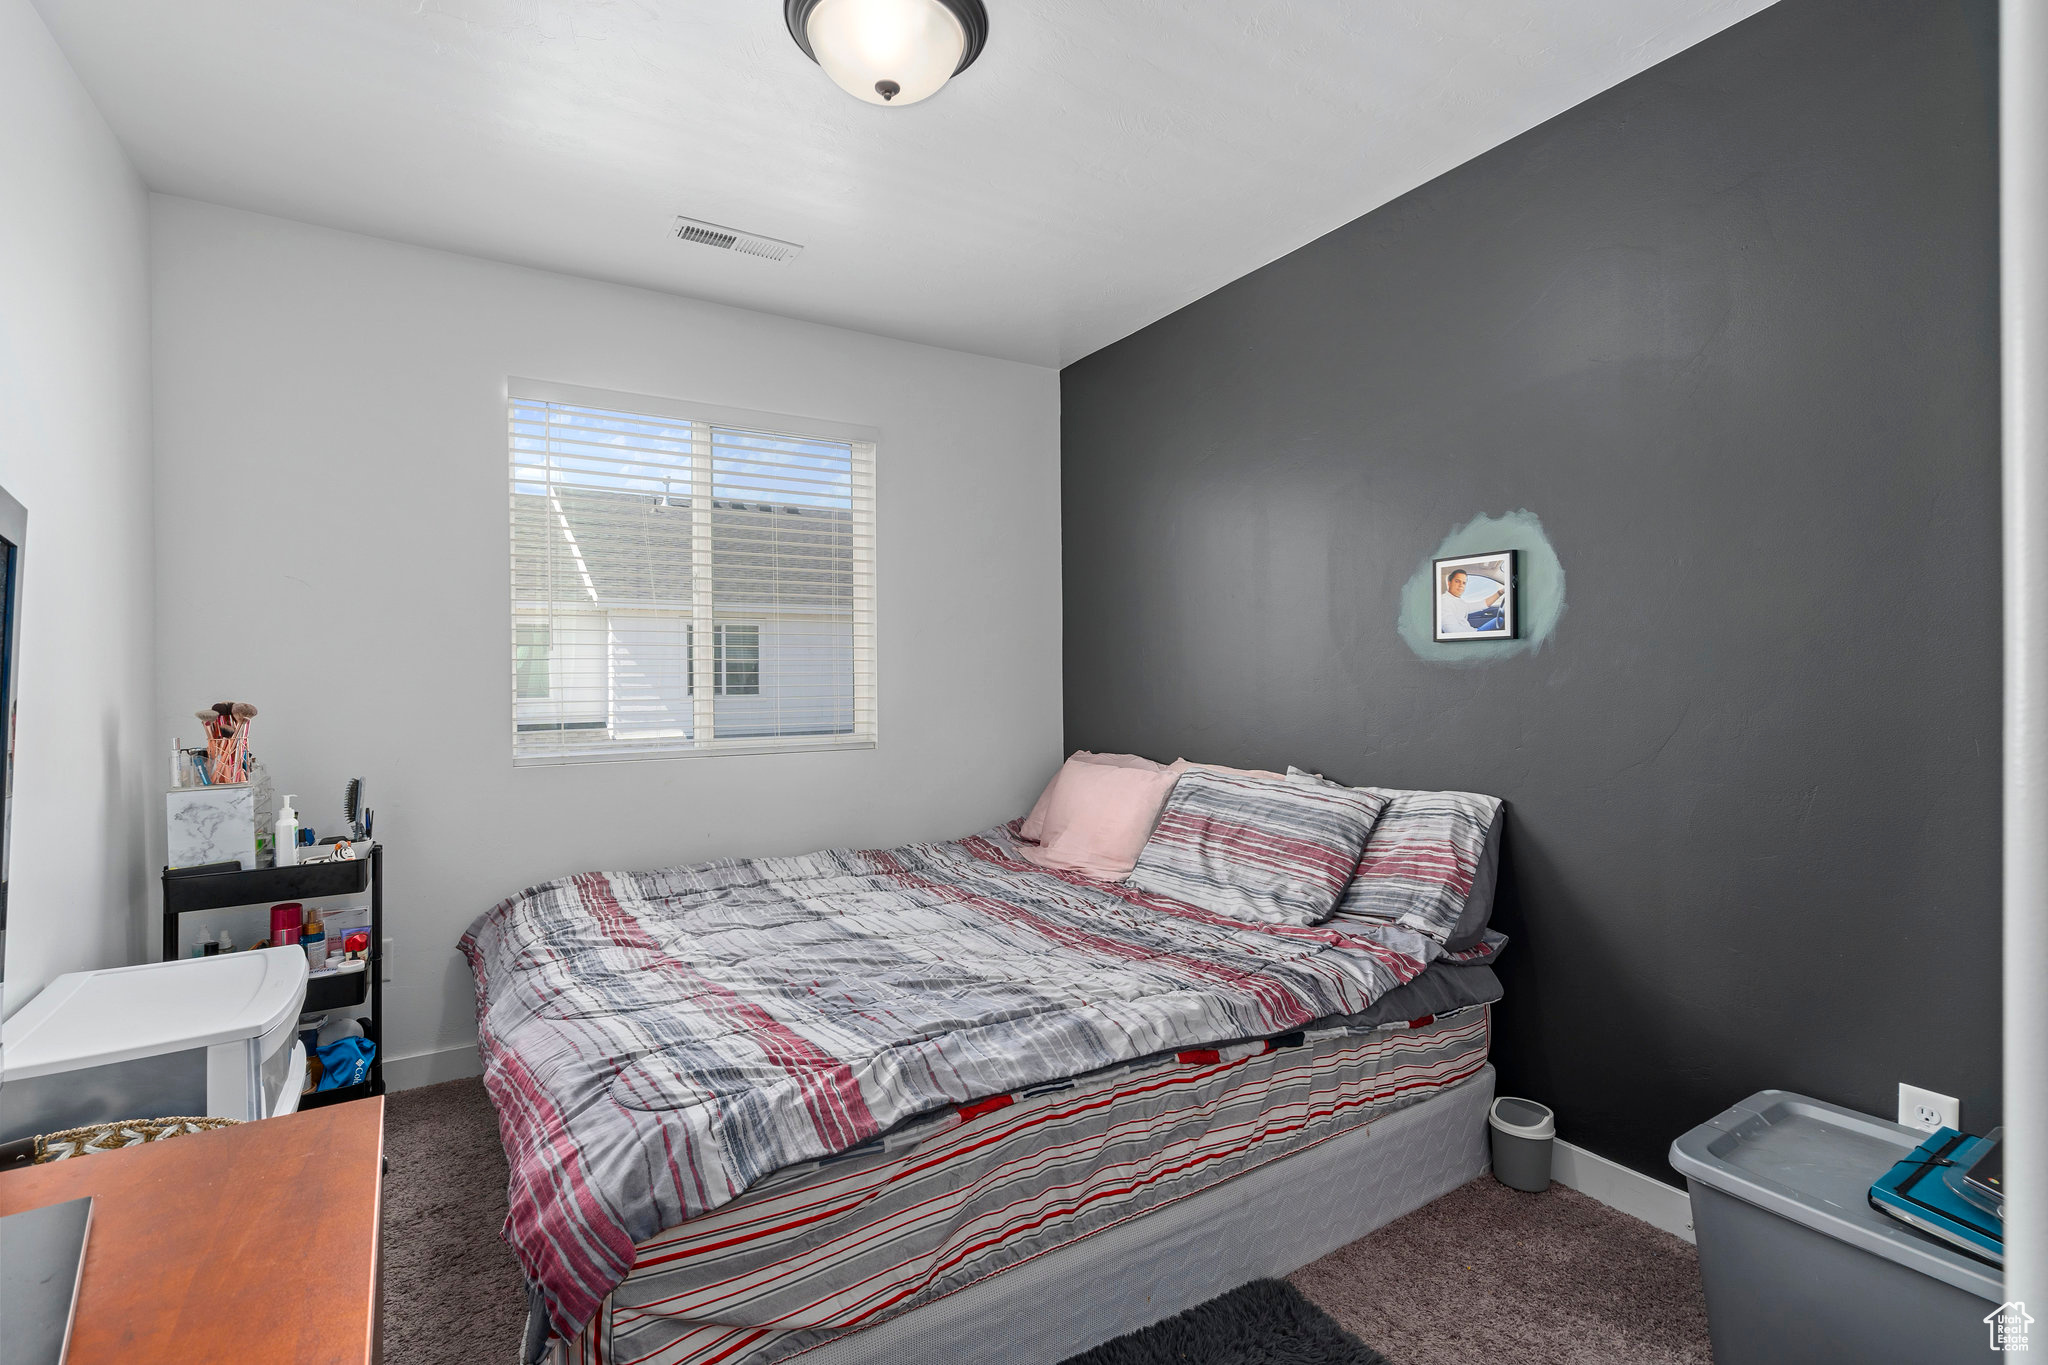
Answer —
1522 1133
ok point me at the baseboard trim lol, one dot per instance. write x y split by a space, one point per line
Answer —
431 1068
1619 1187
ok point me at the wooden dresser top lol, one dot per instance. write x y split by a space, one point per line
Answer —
250 1244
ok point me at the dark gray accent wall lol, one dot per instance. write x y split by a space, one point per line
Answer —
1730 330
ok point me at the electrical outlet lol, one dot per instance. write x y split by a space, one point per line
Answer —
1927 1111
385 968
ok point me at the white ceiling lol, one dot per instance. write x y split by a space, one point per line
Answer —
1104 163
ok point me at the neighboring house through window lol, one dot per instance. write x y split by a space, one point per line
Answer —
530 661
642 527
738 665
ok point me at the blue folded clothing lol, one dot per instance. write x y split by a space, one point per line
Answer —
345 1061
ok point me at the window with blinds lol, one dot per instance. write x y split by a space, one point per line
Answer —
687 579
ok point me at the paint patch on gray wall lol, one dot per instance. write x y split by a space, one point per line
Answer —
1542 600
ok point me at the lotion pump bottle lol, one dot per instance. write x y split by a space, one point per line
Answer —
288 834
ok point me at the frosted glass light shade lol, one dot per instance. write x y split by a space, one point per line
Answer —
886 51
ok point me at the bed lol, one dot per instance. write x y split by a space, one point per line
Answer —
891 1104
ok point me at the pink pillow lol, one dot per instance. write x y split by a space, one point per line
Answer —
1033 827
1100 818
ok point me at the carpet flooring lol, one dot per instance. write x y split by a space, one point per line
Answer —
1487 1273
452 1292
1483 1274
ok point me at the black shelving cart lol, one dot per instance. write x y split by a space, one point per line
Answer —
189 894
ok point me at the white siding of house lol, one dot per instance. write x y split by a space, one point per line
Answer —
625 674
648 690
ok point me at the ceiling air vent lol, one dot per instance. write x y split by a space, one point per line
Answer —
732 239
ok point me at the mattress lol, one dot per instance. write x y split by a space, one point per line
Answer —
941 1204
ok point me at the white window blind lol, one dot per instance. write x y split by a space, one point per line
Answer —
687 579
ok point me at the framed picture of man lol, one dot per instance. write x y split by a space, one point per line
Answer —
1474 597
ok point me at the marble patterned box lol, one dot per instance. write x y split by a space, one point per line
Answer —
211 825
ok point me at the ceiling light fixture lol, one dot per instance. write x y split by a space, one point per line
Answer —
889 51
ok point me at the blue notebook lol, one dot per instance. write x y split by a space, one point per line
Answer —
1915 1192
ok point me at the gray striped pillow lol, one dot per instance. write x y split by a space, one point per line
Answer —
1426 864
1256 848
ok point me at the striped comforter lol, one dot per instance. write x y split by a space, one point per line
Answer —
657 1043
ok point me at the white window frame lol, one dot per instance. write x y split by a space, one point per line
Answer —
705 686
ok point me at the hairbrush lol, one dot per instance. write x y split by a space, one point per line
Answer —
353 811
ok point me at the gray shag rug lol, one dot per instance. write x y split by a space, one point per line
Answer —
1484 1273
1266 1322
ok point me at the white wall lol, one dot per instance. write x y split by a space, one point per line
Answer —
333 546
74 449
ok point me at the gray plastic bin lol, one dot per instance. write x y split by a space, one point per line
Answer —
1522 1131
1798 1266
